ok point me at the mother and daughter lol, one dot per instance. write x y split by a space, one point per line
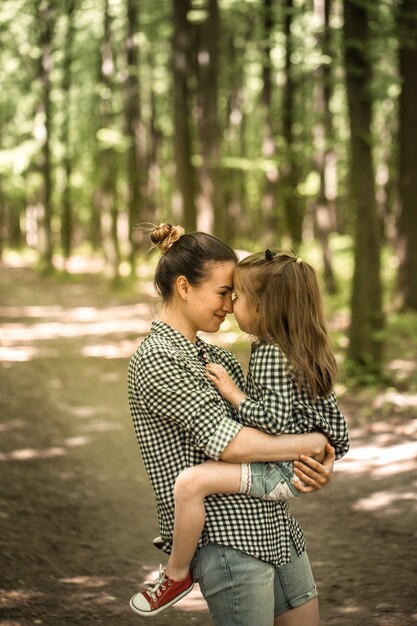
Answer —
225 521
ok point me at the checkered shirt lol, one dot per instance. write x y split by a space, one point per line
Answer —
180 420
275 404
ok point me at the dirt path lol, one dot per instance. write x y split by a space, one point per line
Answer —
76 510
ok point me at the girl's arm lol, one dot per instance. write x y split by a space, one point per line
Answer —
269 382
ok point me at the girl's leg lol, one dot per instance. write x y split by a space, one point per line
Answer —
306 615
191 487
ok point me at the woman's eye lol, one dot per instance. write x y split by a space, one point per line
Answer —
234 296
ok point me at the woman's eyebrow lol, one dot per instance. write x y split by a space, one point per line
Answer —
228 287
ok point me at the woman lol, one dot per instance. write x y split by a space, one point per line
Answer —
252 552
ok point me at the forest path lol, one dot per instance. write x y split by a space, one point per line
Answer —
76 510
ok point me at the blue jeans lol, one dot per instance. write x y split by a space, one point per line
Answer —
241 590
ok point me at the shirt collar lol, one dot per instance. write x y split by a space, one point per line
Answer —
181 342
257 344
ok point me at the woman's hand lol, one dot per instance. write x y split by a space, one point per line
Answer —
313 474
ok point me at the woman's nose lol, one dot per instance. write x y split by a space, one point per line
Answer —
228 304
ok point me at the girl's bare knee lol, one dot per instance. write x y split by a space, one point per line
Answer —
186 484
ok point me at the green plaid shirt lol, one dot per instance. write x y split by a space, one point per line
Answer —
276 405
180 420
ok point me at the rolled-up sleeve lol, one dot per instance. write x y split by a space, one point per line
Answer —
222 436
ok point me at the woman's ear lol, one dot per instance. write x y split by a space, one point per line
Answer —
183 287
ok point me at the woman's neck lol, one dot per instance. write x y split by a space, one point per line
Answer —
174 318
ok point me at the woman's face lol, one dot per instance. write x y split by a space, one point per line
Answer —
210 301
244 311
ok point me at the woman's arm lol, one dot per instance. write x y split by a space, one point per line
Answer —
252 445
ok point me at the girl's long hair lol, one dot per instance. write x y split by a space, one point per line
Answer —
286 293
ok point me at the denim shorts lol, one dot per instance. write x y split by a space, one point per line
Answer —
268 481
241 590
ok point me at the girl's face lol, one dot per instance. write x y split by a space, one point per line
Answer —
245 313
211 301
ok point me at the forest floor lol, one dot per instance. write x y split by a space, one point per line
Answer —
77 512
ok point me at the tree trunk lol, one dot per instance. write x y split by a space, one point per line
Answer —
108 163
271 234
291 201
45 25
407 222
323 135
365 347
233 178
211 215
184 197
67 207
135 165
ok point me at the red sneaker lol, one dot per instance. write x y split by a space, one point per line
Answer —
161 594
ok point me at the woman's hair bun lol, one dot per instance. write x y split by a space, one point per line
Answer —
165 235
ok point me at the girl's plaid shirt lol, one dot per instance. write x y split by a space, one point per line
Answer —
180 420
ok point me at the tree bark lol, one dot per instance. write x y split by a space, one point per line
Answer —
323 135
184 197
211 215
291 203
108 163
407 221
135 164
45 26
271 234
365 347
67 205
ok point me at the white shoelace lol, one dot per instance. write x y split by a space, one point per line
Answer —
154 588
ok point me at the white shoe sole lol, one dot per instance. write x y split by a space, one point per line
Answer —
161 608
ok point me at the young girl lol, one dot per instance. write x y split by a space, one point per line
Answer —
289 389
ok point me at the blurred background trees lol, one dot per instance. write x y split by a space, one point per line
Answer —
269 123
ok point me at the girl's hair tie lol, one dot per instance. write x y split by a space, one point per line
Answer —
269 256
299 260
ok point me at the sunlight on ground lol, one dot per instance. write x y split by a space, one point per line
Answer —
19 338
85 581
402 368
386 499
28 454
117 320
14 597
399 400
379 459
120 350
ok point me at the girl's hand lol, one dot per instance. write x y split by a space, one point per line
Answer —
224 384
313 474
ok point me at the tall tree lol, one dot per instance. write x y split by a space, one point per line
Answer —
365 347
45 27
184 197
67 220
269 209
323 139
133 126
108 162
407 222
291 203
211 215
